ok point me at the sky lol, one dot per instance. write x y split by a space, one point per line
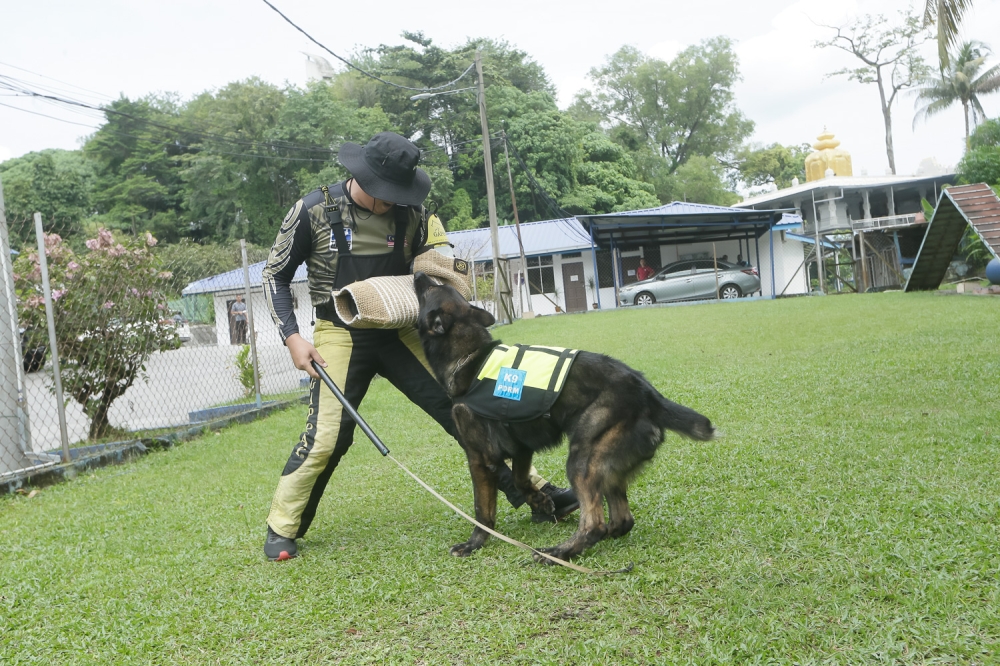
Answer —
101 49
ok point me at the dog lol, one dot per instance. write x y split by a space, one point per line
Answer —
613 418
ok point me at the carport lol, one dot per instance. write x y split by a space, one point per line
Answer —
681 223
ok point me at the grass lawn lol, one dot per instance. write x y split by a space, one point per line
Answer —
850 514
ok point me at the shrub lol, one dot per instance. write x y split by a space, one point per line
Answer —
110 311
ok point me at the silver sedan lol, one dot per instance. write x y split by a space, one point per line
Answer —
691 280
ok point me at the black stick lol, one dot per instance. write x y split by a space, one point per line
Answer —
350 410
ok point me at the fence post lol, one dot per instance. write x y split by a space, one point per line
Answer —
14 436
43 262
250 325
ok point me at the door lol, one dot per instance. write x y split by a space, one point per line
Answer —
702 284
574 287
672 283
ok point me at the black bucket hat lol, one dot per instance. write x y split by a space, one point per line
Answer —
386 168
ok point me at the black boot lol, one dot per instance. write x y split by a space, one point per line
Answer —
565 501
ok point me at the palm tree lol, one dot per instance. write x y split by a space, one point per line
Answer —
948 14
960 82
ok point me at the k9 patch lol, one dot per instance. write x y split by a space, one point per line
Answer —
348 236
510 383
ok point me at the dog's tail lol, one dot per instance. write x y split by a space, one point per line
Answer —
683 420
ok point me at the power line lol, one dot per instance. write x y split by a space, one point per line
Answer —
366 73
43 115
207 151
96 94
552 203
208 135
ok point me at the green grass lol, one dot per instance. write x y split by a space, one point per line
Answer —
849 515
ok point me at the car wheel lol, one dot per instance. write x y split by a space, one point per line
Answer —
34 359
730 291
645 298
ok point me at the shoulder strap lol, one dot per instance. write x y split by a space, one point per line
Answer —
402 216
335 220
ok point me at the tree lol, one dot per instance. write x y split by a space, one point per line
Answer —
56 183
960 82
947 14
755 166
678 109
110 313
699 180
890 57
981 163
137 158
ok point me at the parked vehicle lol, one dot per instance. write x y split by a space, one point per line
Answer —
33 351
692 280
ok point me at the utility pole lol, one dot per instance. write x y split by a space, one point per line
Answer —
517 226
503 315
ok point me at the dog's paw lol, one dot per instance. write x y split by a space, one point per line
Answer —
463 549
555 551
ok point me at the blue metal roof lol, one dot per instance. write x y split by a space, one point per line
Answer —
539 238
234 280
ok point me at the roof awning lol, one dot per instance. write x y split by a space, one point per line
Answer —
680 223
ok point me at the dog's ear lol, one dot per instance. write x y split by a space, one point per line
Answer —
438 322
421 283
482 317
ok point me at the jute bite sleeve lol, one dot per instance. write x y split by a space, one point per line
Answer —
390 301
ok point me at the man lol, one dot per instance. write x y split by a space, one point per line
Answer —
644 272
238 312
371 225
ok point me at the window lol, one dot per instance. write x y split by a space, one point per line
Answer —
605 269
541 278
678 268
571 255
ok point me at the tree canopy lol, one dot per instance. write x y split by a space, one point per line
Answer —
228 163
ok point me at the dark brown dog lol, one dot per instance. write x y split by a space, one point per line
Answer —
613 418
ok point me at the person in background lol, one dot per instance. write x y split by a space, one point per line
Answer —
644 272
238 312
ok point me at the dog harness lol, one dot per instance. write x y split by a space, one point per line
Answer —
519 382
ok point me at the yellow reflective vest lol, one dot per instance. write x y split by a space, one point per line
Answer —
519 382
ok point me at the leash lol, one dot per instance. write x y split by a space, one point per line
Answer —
385 452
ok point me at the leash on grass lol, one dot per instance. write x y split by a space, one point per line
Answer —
385 452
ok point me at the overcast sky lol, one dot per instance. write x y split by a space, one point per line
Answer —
107 48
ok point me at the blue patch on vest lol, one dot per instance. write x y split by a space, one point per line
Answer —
510 383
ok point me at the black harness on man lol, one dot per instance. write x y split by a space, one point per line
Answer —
354 268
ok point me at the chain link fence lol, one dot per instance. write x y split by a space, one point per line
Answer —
149 338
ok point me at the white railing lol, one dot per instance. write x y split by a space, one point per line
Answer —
888 222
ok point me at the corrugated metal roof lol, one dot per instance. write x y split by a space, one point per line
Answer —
234 280
539 238
959 207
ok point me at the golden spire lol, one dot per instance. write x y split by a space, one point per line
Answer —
827 156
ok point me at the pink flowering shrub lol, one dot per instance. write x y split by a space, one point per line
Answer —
110 313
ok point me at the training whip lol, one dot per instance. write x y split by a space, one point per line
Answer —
350 410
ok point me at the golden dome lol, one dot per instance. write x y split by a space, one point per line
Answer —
827 156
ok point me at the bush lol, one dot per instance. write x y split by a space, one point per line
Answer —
110 310
244 370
